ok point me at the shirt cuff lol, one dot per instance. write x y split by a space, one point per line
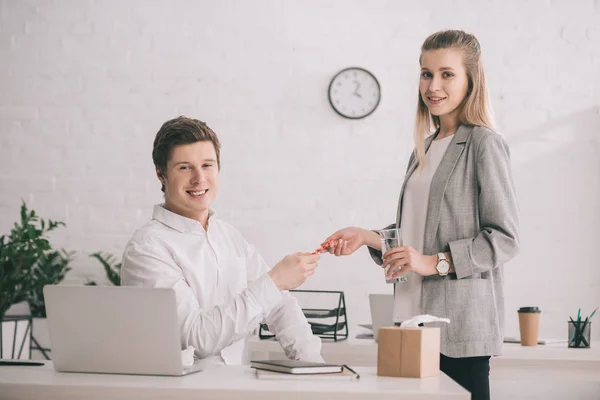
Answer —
316 358
265 292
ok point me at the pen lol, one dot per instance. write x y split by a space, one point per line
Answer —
582 332
581 336
353 371
574 326
20 363
577 325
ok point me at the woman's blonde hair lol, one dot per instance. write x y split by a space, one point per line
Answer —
475 108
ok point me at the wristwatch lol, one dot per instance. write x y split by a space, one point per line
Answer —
443 266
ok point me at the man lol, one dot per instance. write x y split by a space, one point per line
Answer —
223 286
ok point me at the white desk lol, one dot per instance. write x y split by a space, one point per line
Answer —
226 382
545 371
363 352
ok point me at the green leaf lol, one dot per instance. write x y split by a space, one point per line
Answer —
28 262
111 267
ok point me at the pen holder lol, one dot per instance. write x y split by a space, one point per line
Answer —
579 334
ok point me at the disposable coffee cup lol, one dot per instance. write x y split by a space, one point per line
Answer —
529 325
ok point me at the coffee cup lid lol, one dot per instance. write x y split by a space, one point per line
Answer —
529 310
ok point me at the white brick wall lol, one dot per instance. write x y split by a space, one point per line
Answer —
85 85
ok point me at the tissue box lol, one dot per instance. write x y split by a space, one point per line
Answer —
408 352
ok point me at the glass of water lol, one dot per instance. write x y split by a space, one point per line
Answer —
391 238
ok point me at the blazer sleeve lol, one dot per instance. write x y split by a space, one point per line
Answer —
497 241
376 254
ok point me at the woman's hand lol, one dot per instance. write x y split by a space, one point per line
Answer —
346 241
402 259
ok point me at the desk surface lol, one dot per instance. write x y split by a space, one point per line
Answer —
364 352
220 382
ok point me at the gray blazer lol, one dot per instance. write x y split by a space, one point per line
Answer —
472 212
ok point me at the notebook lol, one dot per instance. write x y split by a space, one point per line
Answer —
514 339
296 367
346 375
115 330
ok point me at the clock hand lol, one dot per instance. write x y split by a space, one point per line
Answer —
356 90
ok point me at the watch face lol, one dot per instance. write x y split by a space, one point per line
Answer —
354 93
443 266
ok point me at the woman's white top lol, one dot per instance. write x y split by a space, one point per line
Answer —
407 299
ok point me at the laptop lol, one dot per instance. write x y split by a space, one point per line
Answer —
382 312
114 330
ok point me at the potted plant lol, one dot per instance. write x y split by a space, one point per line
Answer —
28 263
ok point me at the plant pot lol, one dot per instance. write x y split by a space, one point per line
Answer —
16 332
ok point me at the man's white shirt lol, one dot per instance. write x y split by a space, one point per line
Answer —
221 285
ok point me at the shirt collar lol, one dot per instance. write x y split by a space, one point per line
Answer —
179 222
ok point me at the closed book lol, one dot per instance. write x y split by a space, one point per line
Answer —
514 339
296 367
345 375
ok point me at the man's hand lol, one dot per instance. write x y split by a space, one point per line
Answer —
293 270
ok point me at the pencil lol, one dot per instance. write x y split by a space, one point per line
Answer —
353 371
581 336
577 326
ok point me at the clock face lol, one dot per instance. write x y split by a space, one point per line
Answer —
354 93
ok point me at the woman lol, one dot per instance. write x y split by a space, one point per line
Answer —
457 213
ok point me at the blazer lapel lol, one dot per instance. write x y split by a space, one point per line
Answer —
439 182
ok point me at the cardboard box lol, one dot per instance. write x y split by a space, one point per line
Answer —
408 352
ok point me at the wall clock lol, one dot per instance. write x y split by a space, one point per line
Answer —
354 93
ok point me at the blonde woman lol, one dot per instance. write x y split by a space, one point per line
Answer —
457 213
